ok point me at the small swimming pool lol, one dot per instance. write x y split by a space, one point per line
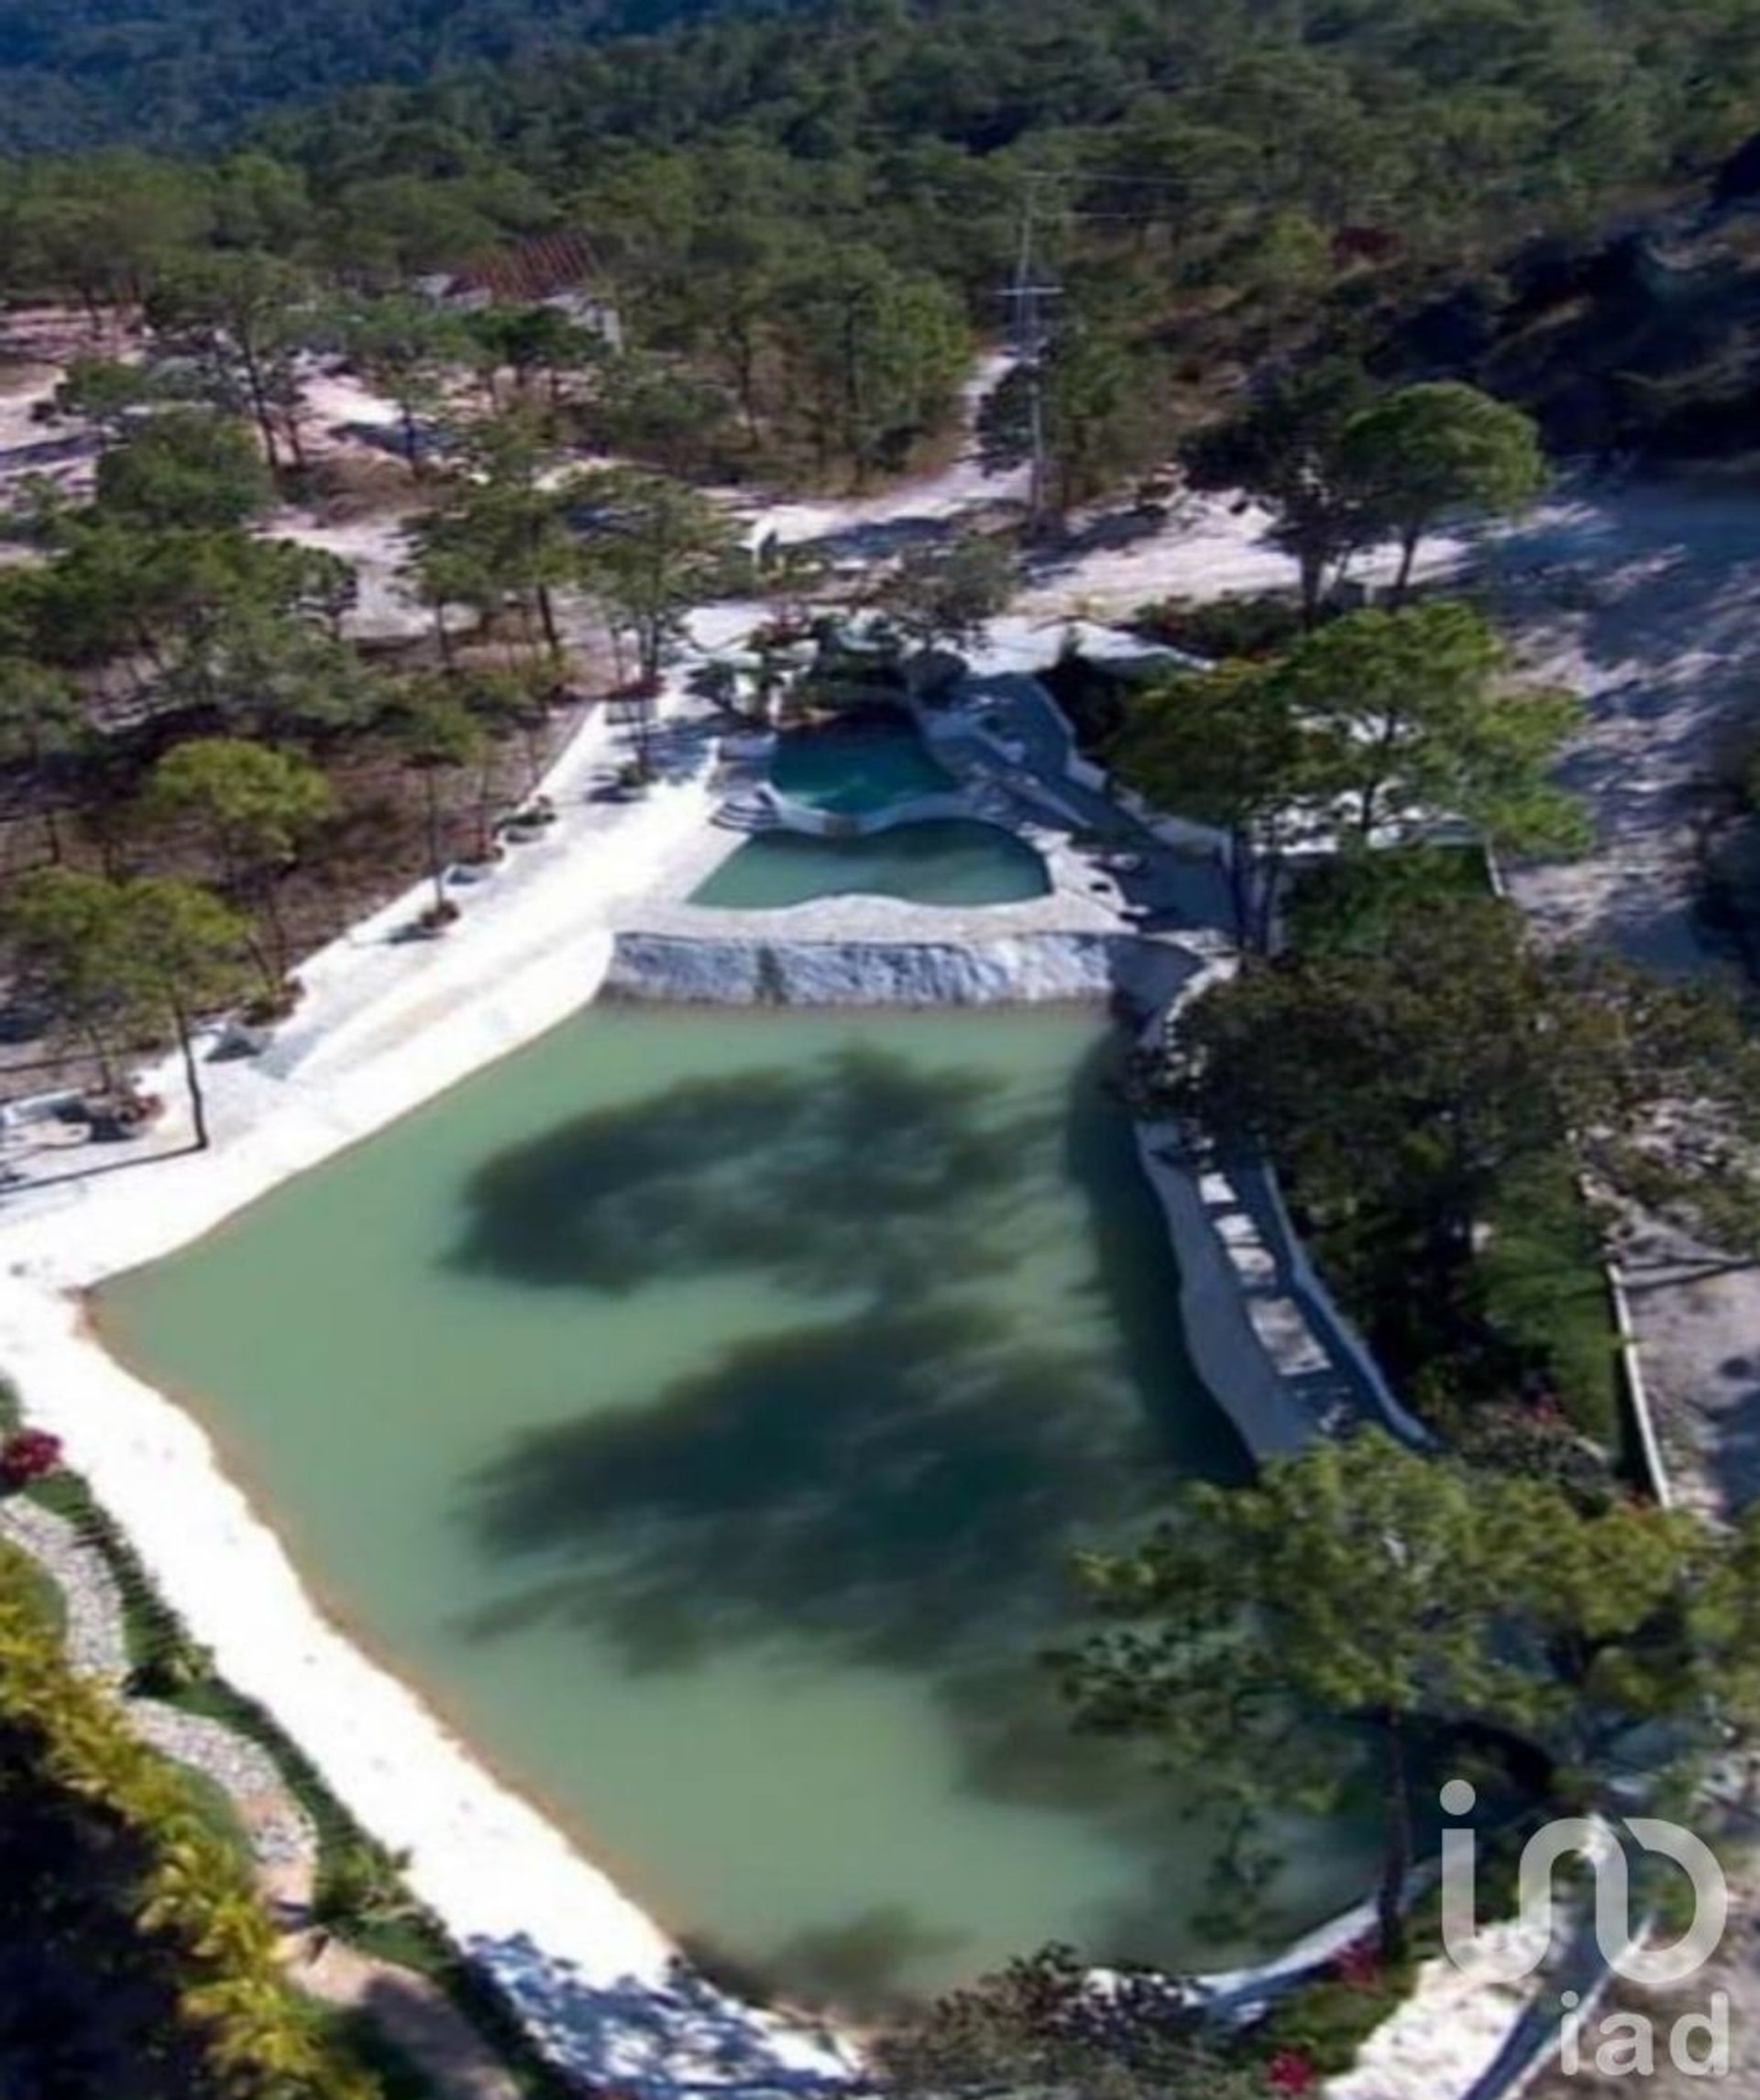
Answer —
859 762
948 861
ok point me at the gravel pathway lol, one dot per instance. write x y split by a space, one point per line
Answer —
97 1640
280 1833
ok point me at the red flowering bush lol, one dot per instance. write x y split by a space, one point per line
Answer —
1359 1965
27 1454
1290 2071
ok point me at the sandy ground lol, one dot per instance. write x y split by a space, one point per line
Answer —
1732 1975
1645 598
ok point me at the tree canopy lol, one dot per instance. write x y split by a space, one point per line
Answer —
1401 1593
1401 1083
1369 729
1443 449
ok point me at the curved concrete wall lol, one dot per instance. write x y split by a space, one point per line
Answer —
1226 1351
794 815
1026 970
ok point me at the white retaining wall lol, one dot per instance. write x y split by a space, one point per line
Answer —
1026 970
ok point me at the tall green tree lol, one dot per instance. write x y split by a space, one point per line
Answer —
106 226
436 733
67 945
1099 413
651 548
656 412
1225 747
1366 1583
1401 1085
43 729
404 346
242 317
183 469
533 341
253 809
876 354
106 392
187 956
501 534
946 596
1285 449
1444 449
1412 715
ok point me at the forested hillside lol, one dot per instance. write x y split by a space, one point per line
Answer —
1207 182
77 73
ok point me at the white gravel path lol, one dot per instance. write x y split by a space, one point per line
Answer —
280 1833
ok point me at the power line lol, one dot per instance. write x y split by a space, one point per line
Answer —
1025 295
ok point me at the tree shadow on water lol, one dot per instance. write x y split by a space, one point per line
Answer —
858 1167
898 1489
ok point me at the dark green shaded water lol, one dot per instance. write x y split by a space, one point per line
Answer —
950 860
700 1409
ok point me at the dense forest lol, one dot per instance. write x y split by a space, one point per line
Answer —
1205 186
82 72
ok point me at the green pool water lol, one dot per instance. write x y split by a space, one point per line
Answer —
949 860
859 763
701 1408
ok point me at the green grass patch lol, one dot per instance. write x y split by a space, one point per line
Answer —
1544 1291
212 1806
36 1589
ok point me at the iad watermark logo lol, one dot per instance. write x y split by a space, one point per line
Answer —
1623 2044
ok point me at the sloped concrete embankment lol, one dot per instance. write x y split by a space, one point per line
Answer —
1028 969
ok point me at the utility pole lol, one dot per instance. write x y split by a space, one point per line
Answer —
1024 295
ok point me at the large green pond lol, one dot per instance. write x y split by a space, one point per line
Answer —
700 1408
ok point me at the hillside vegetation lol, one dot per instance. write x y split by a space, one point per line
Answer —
78 72
1206 185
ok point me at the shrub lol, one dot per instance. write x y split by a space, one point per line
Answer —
1260 626
268 1007
1092 699
1324 2023
1290 2071
362 1886
29 1455
181 1925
